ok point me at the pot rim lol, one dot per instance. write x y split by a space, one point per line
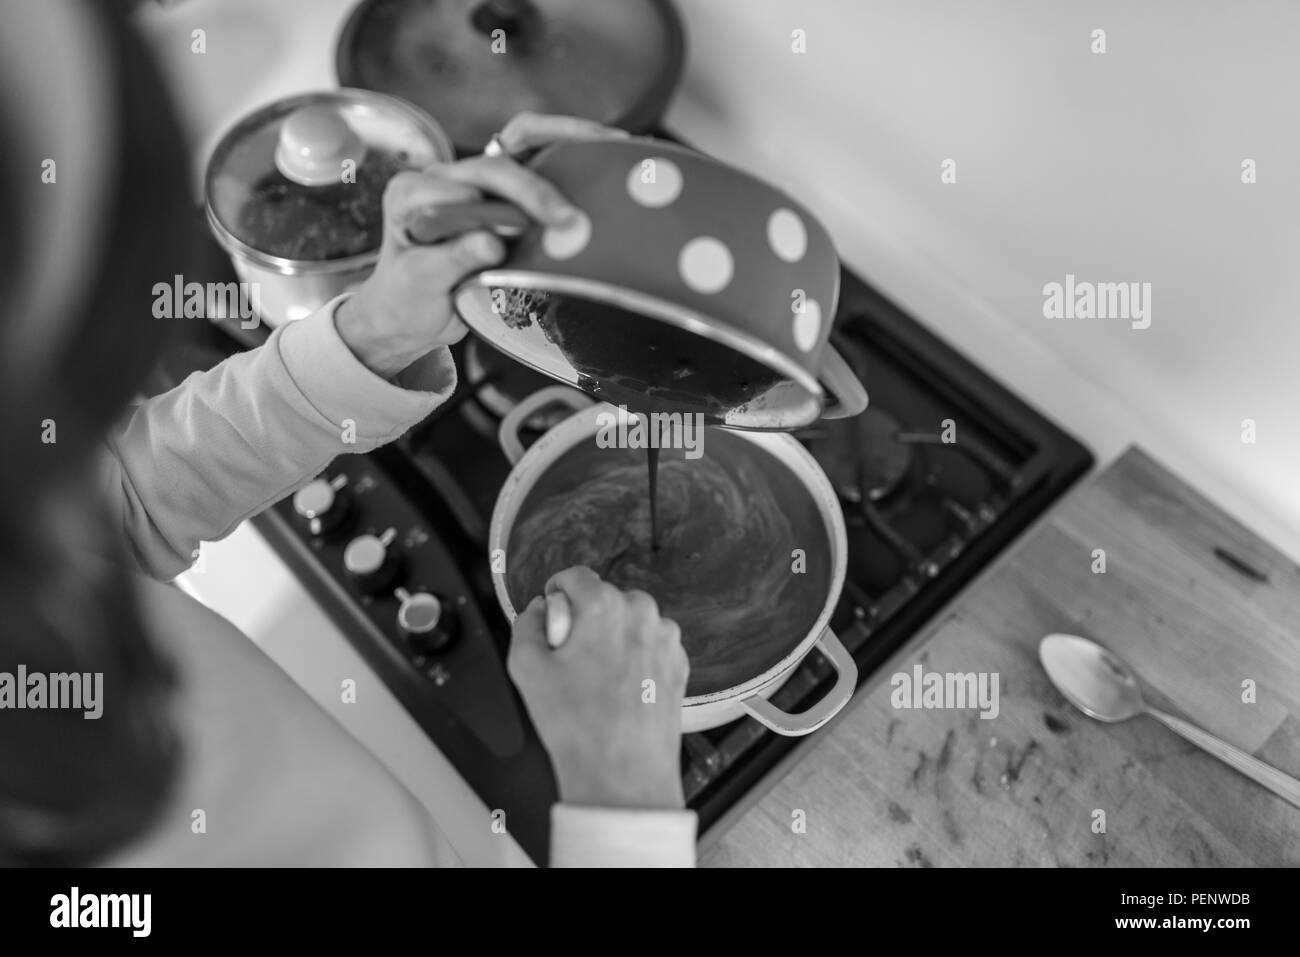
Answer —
664 310
785 448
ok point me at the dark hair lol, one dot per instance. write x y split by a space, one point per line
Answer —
71 789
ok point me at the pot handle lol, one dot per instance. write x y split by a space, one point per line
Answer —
508 431
436 223
845 396
846 669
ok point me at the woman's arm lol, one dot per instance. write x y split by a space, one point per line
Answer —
189 465
193 463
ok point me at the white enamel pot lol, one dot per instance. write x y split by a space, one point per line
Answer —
704 711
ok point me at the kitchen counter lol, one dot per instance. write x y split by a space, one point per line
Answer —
920 788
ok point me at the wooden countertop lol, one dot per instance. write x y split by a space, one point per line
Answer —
886 786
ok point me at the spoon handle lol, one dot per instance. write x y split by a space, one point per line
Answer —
1280 784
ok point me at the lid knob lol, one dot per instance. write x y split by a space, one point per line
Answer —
314 142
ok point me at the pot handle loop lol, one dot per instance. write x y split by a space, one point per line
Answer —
508 432
437 223
770 716
845 396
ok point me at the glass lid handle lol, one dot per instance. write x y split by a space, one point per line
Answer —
315 145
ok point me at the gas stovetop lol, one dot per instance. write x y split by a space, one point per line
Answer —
942 471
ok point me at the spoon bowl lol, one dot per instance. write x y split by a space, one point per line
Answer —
1094 680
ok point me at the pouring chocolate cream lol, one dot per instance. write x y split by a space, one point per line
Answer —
686 292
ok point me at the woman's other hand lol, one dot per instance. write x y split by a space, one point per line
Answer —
608 702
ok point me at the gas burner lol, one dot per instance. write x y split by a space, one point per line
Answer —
497 383
862 455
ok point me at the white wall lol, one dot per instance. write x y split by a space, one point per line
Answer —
1116 167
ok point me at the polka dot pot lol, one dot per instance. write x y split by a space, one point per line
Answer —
684 285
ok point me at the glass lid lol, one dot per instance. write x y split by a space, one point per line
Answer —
302 180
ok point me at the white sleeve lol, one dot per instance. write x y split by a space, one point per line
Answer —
621 837
191 464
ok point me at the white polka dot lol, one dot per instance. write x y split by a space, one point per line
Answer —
808 325
654 181
706 264
786 235
565 242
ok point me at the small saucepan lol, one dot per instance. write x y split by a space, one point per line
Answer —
749 613
294 192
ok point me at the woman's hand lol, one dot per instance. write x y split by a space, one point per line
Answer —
608 702
404 309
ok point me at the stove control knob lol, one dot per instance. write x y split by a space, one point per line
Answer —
426 620
371 562
322 504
